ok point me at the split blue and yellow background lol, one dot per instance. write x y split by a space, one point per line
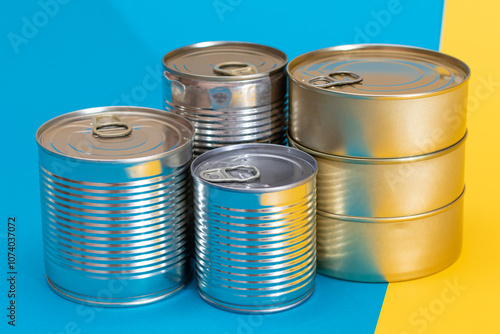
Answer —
58 56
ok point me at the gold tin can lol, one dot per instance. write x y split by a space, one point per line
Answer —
389 249
377 101
381 188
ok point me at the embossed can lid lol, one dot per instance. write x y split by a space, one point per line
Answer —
378 71
116 134
224 61
254 167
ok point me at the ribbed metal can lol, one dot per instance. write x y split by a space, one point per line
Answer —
255 227
115 200
389 249
377 101
382 188
232 92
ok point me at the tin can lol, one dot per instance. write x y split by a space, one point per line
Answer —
233 92
255 227
115 197
368 187
389 249
377 101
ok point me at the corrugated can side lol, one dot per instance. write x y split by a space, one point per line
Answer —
391 249
241 105
116 230
255 248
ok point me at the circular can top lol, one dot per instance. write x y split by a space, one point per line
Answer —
378 70
118 134
254 167
225 61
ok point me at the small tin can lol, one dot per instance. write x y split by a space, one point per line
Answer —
381 188
255 227
232 92
389 249
115 202
377 101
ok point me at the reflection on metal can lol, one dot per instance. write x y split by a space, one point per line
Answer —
232 92
377 101
389 249
367 187
115 197
255 227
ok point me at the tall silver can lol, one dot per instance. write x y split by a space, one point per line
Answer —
255 227
115 197
377 101
232 92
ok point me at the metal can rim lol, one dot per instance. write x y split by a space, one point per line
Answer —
90 111
212 302
385 220
349 47
174 52
298 153
378 161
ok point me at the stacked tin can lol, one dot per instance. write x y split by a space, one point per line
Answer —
232 92
387 126
255 227
115 196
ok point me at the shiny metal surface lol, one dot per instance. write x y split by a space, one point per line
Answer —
153 135
255 240
392 249
114 125
202 60
396 187
409 102
233 105
116 214
229 96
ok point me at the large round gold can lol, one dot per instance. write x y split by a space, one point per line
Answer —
377 101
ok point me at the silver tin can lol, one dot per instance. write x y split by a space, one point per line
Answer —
255 227
115 201
367 187
377 101
232 92
389 249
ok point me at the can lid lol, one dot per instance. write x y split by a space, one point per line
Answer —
116 134
254 167
224 61
378 70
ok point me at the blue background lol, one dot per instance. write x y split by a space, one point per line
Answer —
83 54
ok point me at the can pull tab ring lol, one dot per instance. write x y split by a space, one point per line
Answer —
235 68
240 173
110 126
331 79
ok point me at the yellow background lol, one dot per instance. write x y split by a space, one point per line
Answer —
471 32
